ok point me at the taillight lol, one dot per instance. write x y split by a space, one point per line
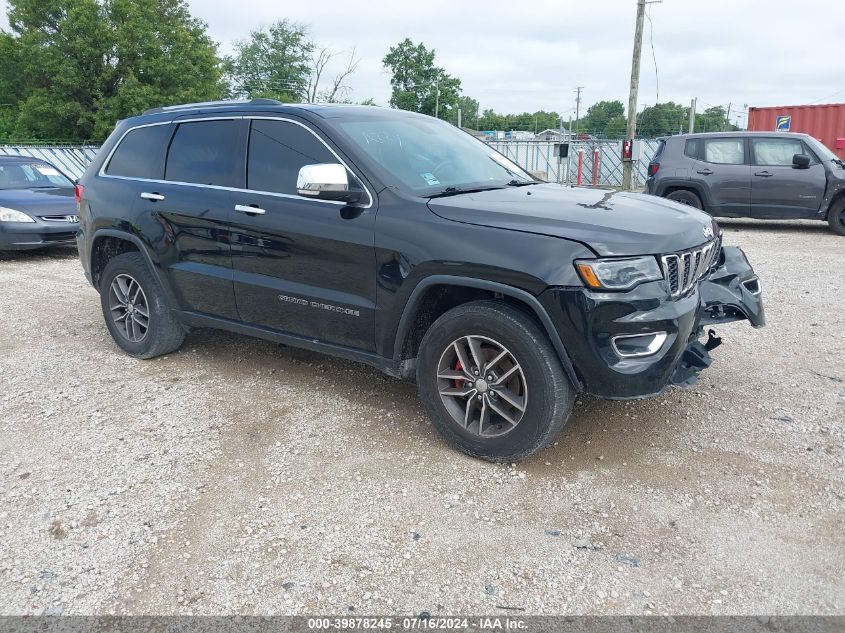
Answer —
652 168
77 194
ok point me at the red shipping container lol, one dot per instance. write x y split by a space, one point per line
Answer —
824 122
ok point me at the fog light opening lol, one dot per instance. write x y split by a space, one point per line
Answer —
638 345
752 285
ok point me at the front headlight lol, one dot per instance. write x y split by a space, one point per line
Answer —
12 215
618 273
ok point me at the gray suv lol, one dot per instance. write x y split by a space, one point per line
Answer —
751 175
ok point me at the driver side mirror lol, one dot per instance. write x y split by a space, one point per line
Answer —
800 161
329 181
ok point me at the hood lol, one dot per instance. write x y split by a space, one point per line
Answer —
610 222
40 202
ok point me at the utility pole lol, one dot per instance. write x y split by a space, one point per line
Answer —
692 114
569 153
459 117
728 117
628 165
437 98
578 90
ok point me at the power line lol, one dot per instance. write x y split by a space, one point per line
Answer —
653 54
830 95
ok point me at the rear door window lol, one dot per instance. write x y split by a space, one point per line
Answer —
724 151
139 153
205 153
776 151
277 150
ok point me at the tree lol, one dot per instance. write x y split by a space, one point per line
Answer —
599 115
11 89
661 119
469 111
273 62
713 119
525 122
616 127
418 85
82 64
673 118
337 90
162 56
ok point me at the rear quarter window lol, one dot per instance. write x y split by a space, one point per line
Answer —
139 153
692 148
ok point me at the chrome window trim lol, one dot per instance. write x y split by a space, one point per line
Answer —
102 172
655 346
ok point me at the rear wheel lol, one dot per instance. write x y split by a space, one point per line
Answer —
836 217
491 382
684 196
135 310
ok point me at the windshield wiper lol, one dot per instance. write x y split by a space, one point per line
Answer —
455 191
521 183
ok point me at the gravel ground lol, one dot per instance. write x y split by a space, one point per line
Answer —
238 476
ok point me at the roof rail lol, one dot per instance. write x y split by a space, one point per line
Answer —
201 104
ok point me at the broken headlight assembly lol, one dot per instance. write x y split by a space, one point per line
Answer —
618 273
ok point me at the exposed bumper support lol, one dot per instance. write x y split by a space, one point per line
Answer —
694 360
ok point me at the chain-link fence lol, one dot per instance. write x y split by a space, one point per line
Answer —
71 159
600 156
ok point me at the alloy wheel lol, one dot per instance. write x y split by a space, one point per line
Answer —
482 386
129 308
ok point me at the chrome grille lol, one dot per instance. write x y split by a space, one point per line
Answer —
685 268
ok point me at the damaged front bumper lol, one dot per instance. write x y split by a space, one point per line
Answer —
634 344
732 292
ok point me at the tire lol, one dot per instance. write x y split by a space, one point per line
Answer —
687 197
547 394
162 333
836 217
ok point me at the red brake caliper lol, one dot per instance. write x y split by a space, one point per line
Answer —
459 382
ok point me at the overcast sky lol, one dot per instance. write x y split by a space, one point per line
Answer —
525 56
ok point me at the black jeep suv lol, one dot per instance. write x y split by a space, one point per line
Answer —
398 240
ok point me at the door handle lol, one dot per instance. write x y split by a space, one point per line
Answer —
764 174
155 197
705 171
249 209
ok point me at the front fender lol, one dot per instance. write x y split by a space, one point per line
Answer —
732 292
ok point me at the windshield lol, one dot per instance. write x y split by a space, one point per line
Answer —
31 176
822 151
425 156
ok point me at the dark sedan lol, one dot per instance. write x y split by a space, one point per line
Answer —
37 205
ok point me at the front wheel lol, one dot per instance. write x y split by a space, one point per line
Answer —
491 382
836 218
